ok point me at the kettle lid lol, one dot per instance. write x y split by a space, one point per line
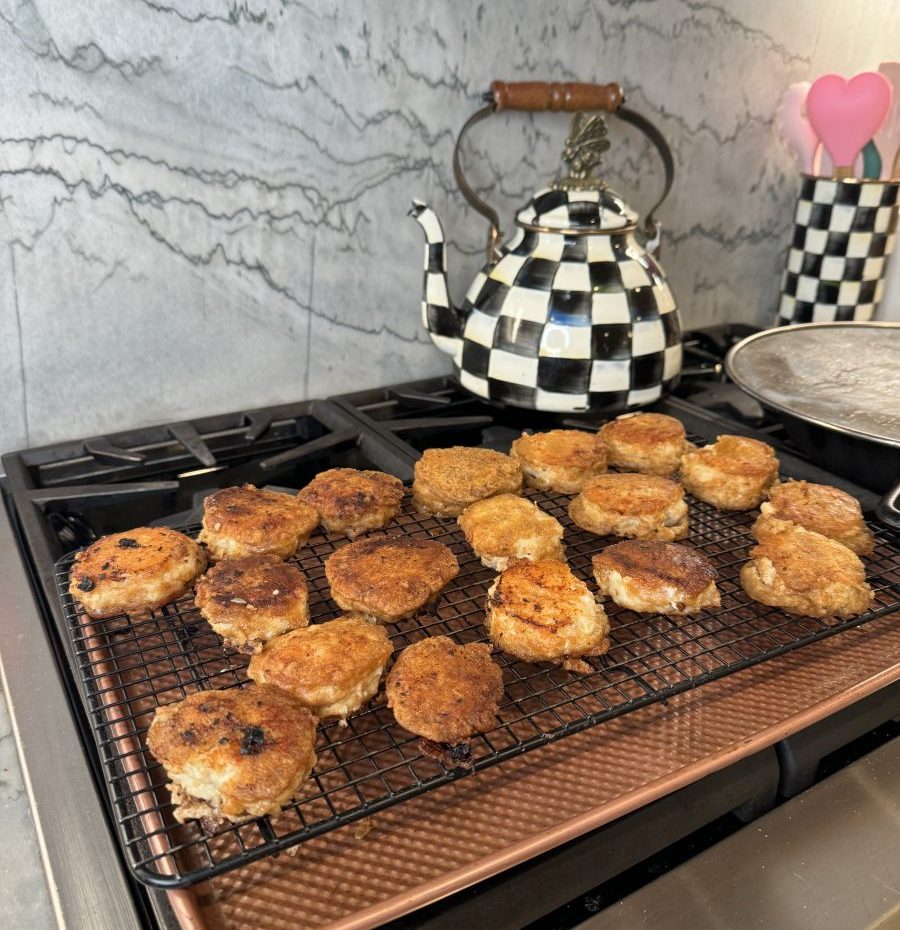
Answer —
580 201
584 211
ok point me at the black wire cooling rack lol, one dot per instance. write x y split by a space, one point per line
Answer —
130 666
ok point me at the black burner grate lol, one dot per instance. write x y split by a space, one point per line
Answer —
128 668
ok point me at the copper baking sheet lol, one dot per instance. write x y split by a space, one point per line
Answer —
469 831
453 837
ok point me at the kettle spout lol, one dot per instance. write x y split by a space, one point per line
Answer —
439 317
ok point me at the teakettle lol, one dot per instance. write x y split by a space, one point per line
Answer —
573 313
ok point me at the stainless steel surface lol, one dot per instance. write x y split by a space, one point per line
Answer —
829 858
843 376
86 883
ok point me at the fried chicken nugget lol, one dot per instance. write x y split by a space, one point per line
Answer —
820 508
252 600
134 571
506 527
639 506
734 473
650 443
805 573
560 460
248 521
448 480
540 612
650 576
235 754
332 668
443 691
351 501
389 577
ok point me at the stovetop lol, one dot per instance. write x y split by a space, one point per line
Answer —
62 496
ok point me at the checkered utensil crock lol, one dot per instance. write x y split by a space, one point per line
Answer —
844 231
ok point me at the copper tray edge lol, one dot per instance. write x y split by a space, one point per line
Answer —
182 901
458 879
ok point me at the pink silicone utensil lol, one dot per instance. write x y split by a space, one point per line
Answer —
846 114
793 126
887 139
823 164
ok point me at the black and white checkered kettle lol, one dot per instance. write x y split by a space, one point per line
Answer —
573 313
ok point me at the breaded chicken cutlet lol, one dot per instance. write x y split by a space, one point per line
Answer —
637 506
448 480
506 527
540 612
445 692
332 668
820 508
234 754
650 443
389 577
248 521
734 473
351 502
251 600
560 460
134 571
650 576
805 573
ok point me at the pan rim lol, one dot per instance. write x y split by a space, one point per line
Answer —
791 411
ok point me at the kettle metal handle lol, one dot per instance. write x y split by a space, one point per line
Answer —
543 96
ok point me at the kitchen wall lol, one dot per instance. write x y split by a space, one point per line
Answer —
202 204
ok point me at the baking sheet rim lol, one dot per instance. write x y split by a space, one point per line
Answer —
465 876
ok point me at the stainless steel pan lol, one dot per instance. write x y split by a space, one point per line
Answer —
836 388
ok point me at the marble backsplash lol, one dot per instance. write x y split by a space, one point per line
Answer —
202 203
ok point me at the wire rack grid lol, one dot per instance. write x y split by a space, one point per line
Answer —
129 666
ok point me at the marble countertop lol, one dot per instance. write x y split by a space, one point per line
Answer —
24 898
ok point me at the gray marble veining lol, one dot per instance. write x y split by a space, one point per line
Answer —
202 202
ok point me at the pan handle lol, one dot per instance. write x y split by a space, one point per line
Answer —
888 508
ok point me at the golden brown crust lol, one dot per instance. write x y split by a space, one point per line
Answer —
507 527
733 473
632 505
234 754
805 573
389 577
329 667
651 562
134 571
650 443
448 480
242 521
820 508
251 600
540 612
352 501
656 577
443 691
560 459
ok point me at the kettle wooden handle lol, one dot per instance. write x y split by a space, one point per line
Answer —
540 96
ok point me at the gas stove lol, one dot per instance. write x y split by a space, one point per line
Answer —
61 497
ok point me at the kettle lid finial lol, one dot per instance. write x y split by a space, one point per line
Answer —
583 153
579 202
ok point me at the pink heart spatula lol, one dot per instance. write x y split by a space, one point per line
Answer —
846 114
